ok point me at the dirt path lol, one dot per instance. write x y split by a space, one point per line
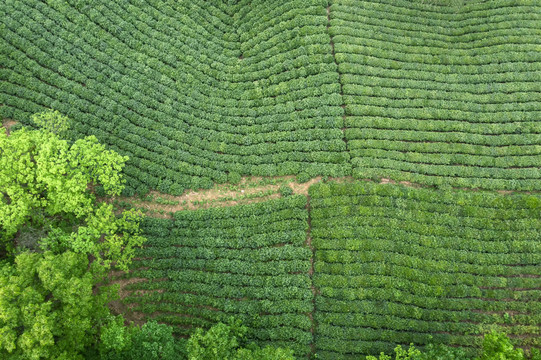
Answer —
249 190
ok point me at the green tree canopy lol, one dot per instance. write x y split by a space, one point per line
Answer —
46 199
57 241
47 307
225 342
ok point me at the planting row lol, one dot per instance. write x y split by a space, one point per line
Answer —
390 264
207 92
247 261
396 264
440 94
193 93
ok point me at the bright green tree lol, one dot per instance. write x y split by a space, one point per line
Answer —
152 341
225 342
52 121
57 241
46 200
47 307
498 346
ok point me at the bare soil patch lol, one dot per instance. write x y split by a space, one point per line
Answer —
119 307
8 123
302 189
249 190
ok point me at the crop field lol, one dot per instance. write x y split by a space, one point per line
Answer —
342 176
396 264
442 94
365 266
247 261
205 92
250 90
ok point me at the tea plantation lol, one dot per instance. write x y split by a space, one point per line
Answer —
249 261
193 92
391 264
442 94
395 264
418 123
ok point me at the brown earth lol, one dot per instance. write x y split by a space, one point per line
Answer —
8 123
249 190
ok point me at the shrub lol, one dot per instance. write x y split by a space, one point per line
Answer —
285 191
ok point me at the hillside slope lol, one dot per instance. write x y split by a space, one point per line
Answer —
380 265
439 95
442 94
400 265
194 92
247 261
207 91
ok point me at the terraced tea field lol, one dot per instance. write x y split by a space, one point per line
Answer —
443 96
365 266
247 261
193 92
207 91
396 264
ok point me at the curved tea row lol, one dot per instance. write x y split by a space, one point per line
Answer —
193 92
402 265
207 91
247 261
442 94
391 265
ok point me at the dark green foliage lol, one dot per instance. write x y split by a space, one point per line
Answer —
441 94
402 265
286 190
142 191
303 177
234 178
249 261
